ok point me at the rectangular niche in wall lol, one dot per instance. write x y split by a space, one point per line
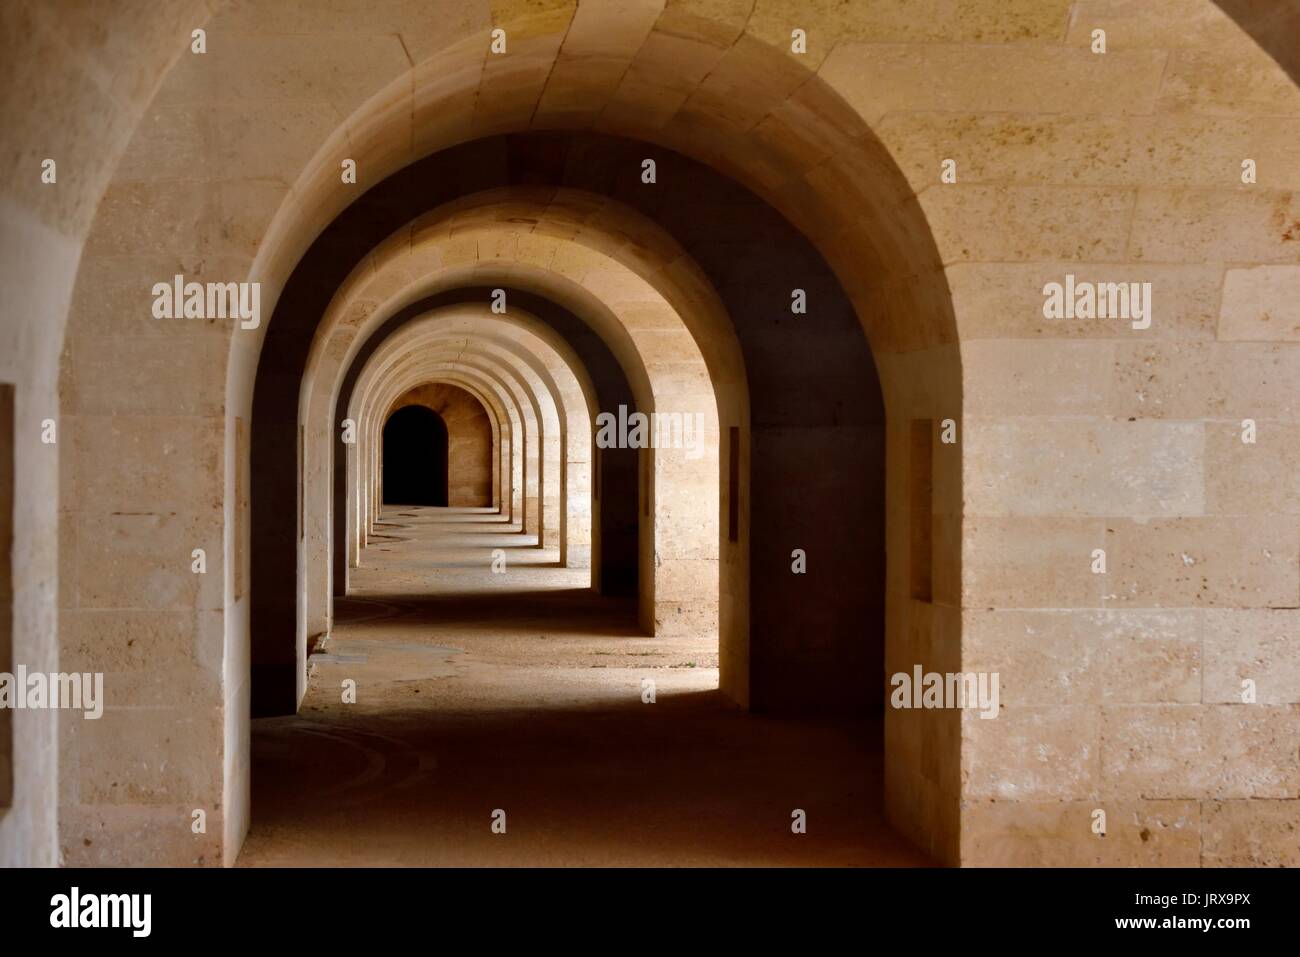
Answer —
920 506
6 586
733 484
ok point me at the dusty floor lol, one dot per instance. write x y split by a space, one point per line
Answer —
522 692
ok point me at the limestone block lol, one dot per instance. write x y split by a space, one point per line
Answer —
1221 751
128 641
1237 223
144 561
1071 466
1241 562
1016 78
103 835
147 464
673 619
154 219
1005 301
1153 751
718 22
1059 834
1093 149
1152 23
1031 754
744 86
687 580
1254 833
1079 657
423 26
171 374
177 141
814 125
598 47
152 756
1012 224
1261 303
1252 479
113 294
916 21
1256 644
1220 80
1047 377
1032 562
1252 750
1193 380
342 69
666 70
444 91
512 83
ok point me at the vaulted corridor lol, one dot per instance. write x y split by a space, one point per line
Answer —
762 432
522 691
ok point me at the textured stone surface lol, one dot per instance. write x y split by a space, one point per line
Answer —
1124 165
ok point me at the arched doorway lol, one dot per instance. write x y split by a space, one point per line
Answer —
415 457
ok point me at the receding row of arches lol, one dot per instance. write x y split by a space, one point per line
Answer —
468 322
776 287
822 177
605 309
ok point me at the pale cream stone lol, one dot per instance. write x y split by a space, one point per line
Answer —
1261 303
878 79
1049 467
1215 80
1031 754
1032 562
1254 833
1262 478
1153 751
1256 644
1049 658
286 76
1059 834
1252 750
1035 149
1234 224
1155 23
1238 562
828 23
133 375
1004 301
1015 224
1195 380
134 739
144 562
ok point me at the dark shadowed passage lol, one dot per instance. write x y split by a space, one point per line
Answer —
415 457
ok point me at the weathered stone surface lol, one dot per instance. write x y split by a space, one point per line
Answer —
1059 834
1072 436
1261 303
1262 646
1254 833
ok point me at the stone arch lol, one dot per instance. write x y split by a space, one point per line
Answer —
866 95
533 344
542 446
241 372
431 254
507 422
487 379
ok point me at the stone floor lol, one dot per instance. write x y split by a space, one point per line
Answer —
521 691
